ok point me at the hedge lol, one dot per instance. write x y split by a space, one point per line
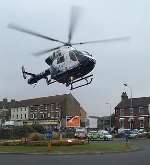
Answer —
43 143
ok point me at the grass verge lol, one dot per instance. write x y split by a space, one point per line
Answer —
77 149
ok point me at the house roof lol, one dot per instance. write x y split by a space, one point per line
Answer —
38 101
6 105
34 101
136 102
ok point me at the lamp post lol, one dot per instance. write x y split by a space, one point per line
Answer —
109 112
60 124
131 105
126 85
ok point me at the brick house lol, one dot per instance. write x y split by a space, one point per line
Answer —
48 111
132 113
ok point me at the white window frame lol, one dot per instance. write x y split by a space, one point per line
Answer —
141 112
52 106
142 125
49 114
121 123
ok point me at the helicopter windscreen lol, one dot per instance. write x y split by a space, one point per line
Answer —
50 59
86 53
72 56
60 59
78 53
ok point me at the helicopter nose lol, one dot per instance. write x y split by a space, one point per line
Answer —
93 61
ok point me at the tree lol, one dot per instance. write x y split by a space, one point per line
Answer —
39 128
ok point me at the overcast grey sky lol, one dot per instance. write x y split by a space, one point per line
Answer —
117 62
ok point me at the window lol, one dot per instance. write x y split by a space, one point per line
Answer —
21 116
141 110
72 56
52 107
45 107
131 111
57 106
121 112
121 123
57 114
141 123
52 114
25 116
60 59
49 114
32 116
23 109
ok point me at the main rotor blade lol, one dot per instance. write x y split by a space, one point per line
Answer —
73 21
21 29
105 40
45 51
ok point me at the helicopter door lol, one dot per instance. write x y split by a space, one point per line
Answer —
71 60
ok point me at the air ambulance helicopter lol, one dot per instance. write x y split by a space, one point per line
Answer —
67 65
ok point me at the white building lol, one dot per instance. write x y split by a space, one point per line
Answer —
91 122
20 114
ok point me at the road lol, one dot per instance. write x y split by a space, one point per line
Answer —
141 157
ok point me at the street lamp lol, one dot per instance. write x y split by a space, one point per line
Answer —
60 123
109 112
131 121
126 85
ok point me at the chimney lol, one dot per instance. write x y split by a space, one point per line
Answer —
124 96
5 101
12 100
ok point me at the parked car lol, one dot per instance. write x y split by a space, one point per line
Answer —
132 134
80 133
97 136
142 133
122 133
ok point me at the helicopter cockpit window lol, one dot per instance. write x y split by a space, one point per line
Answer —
72 56
60 59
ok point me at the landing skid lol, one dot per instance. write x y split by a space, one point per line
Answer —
79 80
49 81
25 74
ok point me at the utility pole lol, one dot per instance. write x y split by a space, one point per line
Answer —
109 112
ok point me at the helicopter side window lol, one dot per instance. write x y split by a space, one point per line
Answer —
60 59
72 56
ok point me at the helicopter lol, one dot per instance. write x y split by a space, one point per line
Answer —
67 65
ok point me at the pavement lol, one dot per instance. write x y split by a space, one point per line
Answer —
140 157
